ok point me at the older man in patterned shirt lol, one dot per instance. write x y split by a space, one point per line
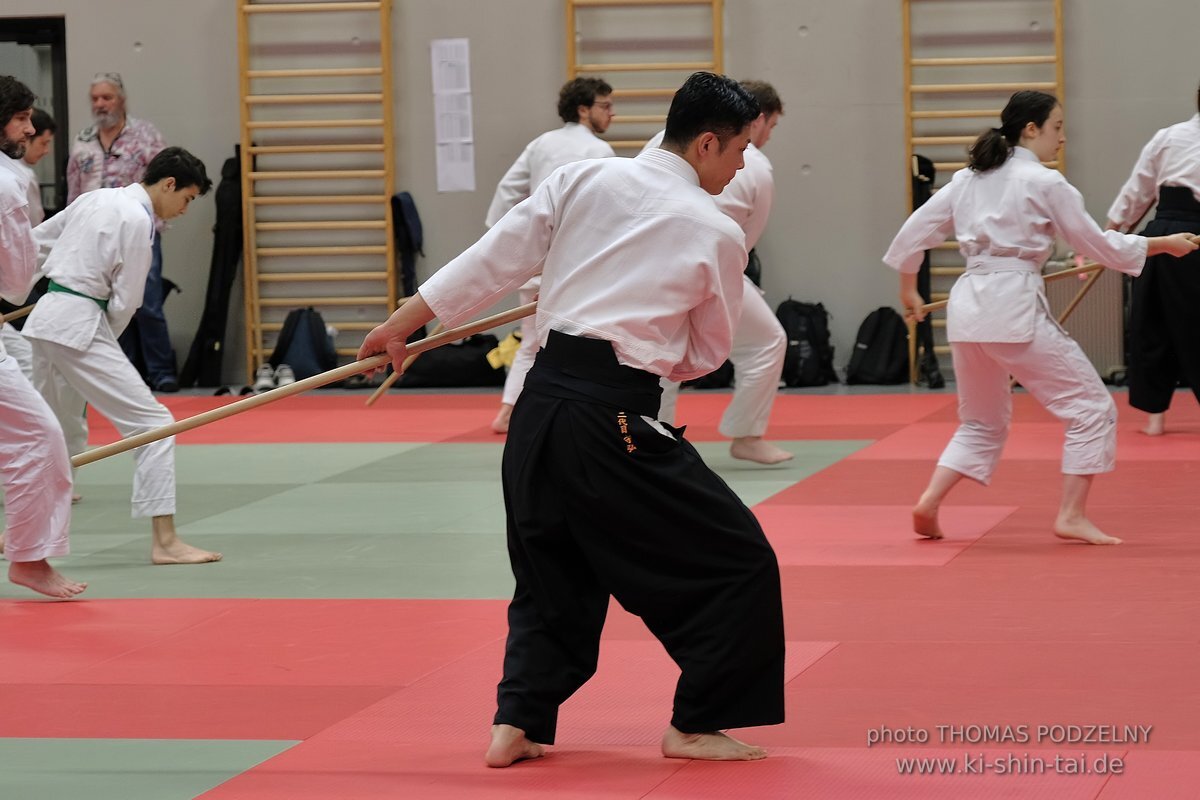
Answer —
110 154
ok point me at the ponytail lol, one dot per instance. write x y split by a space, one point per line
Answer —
993 146
989 151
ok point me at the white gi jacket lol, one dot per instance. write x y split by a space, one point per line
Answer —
1005 221
630 250
1170 158
553 149
18 254
98 246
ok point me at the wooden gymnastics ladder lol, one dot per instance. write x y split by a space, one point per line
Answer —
979 56
316 236
677 26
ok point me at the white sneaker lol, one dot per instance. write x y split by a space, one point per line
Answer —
264 379
284 375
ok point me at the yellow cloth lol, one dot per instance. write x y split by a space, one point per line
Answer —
506 351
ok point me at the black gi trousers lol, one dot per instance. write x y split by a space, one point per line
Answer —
1164 317
601 503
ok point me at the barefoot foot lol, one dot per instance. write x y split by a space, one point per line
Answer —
509 746
500 423
75 498
41 577
753 448
1081 529
715 746
180 552
1155 425
925 521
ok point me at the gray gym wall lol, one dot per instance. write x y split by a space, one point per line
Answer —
838 153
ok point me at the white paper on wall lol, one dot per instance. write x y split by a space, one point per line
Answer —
454 130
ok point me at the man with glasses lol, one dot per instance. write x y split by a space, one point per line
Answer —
110 154
586 108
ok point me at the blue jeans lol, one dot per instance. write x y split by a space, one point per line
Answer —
148 332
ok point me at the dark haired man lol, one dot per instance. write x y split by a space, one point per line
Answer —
759 343
33 456
586 108
641 278
96 253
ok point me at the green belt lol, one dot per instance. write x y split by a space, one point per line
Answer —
58 287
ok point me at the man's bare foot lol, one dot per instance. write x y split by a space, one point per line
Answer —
509 746
753 448
1083 530
715 746
75 498
41 577
180 552
170 549
925 521
500 423
1155 425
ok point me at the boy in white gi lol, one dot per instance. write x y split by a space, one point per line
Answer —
759 343
641 279
586 108
1005 209
33 455
1164 340
96 253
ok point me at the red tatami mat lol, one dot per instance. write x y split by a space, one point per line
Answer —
812 535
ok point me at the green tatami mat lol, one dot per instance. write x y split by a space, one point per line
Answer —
124 769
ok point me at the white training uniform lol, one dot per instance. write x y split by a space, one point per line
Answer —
998 320
99 246
566 145
759 343
612 284
33 455
15 344
1170 158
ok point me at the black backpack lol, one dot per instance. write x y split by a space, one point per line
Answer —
880 349
304 345
462 363
809 357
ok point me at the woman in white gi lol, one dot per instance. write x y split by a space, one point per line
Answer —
1164 317
33 454
1005 210
96 253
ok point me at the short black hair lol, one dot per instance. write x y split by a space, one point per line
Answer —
709 103
580 92
177 163
42 122
15 97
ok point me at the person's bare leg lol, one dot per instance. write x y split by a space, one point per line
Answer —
500 423
1072 522
170 549
509 746
714 746
41 577
1155 425
925 513
753 448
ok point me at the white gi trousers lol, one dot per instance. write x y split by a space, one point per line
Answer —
759 345
527 352
35 469
1053 368
102 376
17 347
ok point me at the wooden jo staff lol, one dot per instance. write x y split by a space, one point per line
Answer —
332 376
20 312
1085 269
395 376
